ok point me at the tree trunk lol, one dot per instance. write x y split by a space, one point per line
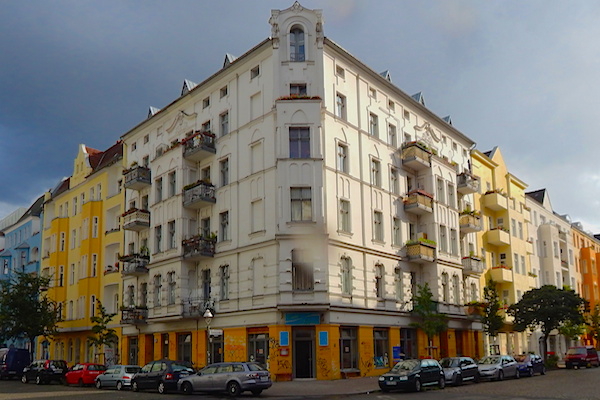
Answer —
545 346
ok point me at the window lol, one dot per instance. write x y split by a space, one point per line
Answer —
392 136
62 241
206 126
299 143
340 71
224 274
396 232
373 93
399 284
258 347
72 274
157 290
378 226
344 216
224 122
379 281
172 184
73 238
158 184
451 201
206 284
205 227
375 172
342 158
516 263
74 205
95 221
380 348
406 115
146 161
348 348
520 230
440 191
254 72
224 222
224 170
392 105
346 269
513 227
298 89
443 239
172 237
61 275
94 265
445 288
394 182
297 44
453 242
456 289
301 204
373 125
340 106
302 271
144 293
206 102
223 92
171 288
92 306
130 295
157 238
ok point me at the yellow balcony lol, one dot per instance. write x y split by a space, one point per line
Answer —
418 202
497 237
495 201
501 273
529 247
469 223
416 155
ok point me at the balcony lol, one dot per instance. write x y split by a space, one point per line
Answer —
111 269
469 223
501 274
416 155
473 265
497 237
495 201
134 315
467 183
199 145
418 202
198 247
529 246
137 177
420 252
198 195
134 264
194 307
135 219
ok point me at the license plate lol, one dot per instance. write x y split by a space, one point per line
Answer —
59 370
391 383
264 378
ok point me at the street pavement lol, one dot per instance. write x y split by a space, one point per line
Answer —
311 387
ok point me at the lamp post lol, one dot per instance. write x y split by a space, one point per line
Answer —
208 316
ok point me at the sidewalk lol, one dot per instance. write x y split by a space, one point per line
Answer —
312 387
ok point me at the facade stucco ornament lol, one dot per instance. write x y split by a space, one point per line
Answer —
319 29
296 7
274 28
179 120
428 135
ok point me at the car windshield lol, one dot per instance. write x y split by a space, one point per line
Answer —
490 360
132 370
449 362
576 350
406 365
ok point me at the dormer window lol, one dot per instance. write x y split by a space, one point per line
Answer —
297 44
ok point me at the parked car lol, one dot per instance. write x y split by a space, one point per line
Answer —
84 374
231 377
459 369
117 376
161 375
530 364
45 371
498 367
12 362
581 356
413 374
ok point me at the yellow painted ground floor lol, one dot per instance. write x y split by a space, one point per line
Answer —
323 351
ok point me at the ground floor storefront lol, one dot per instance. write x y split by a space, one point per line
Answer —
75 347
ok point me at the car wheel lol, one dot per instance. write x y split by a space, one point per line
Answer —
418 385
98 384
187 388
24 379
38 380
500 375
119 385
517 374
134 386
161 388
442 383
456 380
234 389
80 383
63 381
256 392
530 371
543 371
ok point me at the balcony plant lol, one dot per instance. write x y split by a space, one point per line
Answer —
468 211
421 241
498 191
501 228
502 266
299 97
421 192
531 274
421 145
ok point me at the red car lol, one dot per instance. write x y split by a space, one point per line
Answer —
84 374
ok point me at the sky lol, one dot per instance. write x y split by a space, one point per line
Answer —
514 74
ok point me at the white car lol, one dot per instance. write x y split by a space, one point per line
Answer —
498 367
117 376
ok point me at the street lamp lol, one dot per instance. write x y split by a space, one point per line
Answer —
208 316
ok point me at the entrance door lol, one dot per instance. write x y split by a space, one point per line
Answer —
304 357
133 350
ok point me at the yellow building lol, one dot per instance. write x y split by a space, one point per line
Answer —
504 240
81 243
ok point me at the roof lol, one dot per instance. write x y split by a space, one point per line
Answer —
537 195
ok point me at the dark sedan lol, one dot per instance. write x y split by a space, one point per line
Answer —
413 375
231 377
161 375
459 369
530 364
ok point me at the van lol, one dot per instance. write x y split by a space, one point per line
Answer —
581 356
12 362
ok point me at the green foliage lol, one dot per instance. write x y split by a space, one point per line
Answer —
551 361
425 308
103 335
25 309
593 323
547 308
492 321
571 331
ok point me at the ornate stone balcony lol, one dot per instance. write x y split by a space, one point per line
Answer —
199 145
416 155
135 219
198 247
137 177
134 315
134 264
467 183
198 195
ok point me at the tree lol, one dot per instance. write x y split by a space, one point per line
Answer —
102 334
425 308
593 323
547 308
492 321
25 309
571 331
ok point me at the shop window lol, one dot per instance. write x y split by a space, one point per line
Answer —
258 347
380 348
348 349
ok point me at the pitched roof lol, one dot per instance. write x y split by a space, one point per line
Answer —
419 97
110 156
537 195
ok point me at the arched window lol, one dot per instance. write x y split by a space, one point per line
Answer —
456 288
346 269
445 288
297 44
